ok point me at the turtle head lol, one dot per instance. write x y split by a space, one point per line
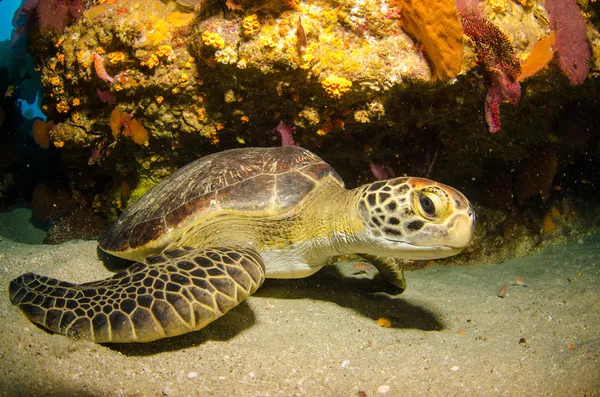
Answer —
415 218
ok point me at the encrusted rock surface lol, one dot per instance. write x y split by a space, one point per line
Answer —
137 88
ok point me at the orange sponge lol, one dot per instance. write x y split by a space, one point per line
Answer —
541 53
137 132
41 132
124 122
435 24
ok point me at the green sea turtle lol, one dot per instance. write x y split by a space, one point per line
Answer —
206 237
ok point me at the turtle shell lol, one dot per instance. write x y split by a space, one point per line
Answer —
252 180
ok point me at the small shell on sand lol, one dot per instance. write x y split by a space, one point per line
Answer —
502 291
520 281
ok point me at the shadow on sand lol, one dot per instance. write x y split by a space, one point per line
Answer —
368 296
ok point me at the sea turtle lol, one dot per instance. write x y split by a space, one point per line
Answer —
206 237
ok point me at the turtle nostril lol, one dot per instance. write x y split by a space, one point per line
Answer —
471 214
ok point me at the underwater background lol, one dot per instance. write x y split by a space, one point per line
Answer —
101 100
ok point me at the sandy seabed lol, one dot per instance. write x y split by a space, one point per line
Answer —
450 334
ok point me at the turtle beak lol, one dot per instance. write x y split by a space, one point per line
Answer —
463 229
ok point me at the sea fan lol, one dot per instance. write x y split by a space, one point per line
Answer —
55 14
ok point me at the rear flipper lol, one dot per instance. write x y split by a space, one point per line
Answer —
178 291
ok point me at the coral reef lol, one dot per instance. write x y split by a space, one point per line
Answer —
336 86
138 88
250 25
213 40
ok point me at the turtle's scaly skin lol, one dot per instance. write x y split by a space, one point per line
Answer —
169 294
391 215
274 212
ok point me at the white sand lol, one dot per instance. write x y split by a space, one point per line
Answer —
450 335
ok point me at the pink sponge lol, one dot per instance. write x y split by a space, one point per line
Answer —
571 43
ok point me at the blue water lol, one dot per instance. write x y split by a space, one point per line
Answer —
7 9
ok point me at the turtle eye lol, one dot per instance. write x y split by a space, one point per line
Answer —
426 205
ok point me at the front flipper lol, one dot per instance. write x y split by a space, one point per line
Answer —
178 291
389 269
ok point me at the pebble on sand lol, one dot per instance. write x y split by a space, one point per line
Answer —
384 322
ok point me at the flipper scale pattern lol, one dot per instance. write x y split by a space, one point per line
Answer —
169 294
